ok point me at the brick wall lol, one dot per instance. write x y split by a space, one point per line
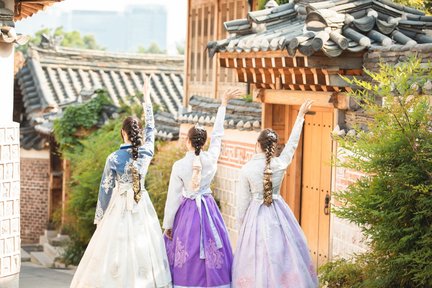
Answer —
345 238
34 197
225 192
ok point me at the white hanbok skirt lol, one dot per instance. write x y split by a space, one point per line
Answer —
127 249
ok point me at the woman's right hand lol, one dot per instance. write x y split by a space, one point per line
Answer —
168 233
230 94
146 90
305 107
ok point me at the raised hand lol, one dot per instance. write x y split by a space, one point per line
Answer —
146 90
230 94
305 107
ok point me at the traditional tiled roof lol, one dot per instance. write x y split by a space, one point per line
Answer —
26 8
328 26
241 114
55 77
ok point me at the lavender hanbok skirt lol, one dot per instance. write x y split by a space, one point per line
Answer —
187 268
272 250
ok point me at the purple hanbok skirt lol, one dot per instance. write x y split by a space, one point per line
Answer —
272 250
188 269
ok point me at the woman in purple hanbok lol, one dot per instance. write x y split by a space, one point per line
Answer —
198 248
271 249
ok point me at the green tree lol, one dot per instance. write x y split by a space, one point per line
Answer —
262 3
72 39
393 204
425 5
180 46
152 49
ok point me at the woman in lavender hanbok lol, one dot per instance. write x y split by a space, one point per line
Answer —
196 238
271 249
127 248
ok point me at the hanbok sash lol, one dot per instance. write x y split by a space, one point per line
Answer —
200 200
126 190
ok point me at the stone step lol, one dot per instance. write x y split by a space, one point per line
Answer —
25 257
42 259
59 241
32 247
43 239
53 251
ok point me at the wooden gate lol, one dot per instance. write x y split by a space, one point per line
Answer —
316 183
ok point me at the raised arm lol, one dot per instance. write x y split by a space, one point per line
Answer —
218 127
174 198
290 147
149 129
243 198
105 189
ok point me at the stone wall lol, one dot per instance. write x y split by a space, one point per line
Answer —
345 238
394 54
10 259
34 195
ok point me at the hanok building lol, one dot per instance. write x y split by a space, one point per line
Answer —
284 55
54 78
10 12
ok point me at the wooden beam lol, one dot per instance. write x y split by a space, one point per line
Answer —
288 97
344 61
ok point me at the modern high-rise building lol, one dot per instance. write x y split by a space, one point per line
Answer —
137 25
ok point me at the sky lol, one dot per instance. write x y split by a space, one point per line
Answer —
176 14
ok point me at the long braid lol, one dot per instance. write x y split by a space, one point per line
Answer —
268 140
132 127
197 137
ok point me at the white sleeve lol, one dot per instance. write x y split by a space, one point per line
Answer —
290 147
243 198
174 198
217 134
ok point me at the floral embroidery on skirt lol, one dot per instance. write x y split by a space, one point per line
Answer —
181 255
214 257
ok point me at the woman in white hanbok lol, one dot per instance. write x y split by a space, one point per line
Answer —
127 249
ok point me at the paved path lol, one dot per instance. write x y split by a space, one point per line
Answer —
35 276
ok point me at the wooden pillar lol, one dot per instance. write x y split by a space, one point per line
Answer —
65 189
188 55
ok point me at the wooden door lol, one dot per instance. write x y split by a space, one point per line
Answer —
316 182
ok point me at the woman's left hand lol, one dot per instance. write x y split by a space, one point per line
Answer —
305 107
146 90
230 94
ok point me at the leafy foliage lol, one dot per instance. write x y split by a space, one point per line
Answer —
72 39
342 273
393 204
152 49
87 164
262 3
180 46
424 5
81 116
159 174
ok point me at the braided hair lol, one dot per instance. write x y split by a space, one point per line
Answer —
132 126
198 137
268 139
